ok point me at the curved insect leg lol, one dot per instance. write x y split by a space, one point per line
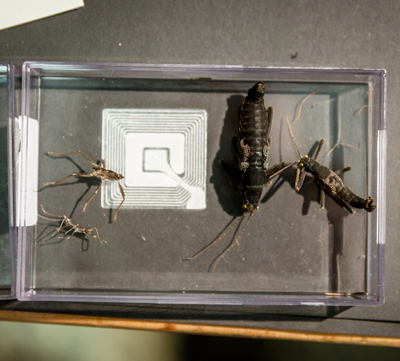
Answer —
74 151
71 229
75 231
321 143
59 228
98 236
341 171
123 200
71 175
300 176
277 169
95 192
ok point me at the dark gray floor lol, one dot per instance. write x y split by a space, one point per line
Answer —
339 34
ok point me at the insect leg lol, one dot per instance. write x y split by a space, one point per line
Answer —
65 233
59 228
71 175
103 163
300 176
277 169
341 171
123 200
74 151
98 236
321 143
95 192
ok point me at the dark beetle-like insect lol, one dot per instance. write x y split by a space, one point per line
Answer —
252 149
328 181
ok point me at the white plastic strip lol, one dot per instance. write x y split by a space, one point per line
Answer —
30 173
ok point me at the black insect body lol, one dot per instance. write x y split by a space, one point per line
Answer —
255 123
329 181
252 149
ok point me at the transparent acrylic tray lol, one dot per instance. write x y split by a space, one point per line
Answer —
166 128
7 176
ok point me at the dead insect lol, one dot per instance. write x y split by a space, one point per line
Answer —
328 181
252 150
98 171
67 223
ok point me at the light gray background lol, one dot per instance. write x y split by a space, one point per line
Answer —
322 33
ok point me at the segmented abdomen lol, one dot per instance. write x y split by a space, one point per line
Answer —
253 128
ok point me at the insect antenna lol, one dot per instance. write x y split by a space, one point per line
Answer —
294 140
218 239
214 264
49 214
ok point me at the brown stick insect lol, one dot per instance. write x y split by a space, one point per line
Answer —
98 171
66 222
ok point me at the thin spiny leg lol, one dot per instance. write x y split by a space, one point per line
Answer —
300 176
71 175
269 175
218 239
214 264
95 192
59 228
321 143
341 171
98 236
71 229
123 200
74 151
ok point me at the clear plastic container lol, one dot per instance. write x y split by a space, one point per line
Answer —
291 253
7 179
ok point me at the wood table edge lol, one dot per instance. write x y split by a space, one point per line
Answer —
196 329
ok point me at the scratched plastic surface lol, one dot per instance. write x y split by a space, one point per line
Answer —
292 251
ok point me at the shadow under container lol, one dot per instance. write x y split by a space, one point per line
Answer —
292 252
8 75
